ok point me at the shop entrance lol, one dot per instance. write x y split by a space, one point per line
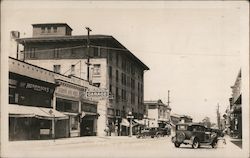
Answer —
87 127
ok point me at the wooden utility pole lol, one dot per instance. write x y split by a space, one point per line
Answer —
88 56
168 97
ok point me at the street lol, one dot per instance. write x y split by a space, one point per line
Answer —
116 147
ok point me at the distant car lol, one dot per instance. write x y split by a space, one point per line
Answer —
148 132
194 134
164 132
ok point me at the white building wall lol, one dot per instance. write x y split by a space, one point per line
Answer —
153 117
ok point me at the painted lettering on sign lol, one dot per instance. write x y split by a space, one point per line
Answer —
68 92
37 87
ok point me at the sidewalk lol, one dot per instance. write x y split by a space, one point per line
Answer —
234 141
74 140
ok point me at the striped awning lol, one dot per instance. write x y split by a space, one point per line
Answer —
37 112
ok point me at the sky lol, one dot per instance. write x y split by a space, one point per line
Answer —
193 49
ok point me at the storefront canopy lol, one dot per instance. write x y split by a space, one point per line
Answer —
140 122
125 122
37 112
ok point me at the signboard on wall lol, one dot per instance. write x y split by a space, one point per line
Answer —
97 93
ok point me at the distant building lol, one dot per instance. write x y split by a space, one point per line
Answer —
157 113
186 119
176 118
236 108
112 67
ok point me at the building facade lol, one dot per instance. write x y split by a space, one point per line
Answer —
111 67
157 113
44 104
236 108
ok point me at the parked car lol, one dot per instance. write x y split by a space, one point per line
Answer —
194 134
164 132
148 132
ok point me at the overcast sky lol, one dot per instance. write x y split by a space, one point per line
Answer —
192 49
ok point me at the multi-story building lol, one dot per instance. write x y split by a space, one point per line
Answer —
111 66
235 108
157 113
45 104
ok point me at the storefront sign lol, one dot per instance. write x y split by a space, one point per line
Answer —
35 87
97 93
68 92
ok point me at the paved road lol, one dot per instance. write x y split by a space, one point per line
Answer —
116 147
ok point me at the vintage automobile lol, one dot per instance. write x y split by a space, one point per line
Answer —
194 134
164 131
148 132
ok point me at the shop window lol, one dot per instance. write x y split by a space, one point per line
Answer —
74 123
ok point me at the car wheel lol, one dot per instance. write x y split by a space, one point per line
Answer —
177 145
196 144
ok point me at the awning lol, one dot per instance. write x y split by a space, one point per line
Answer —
125 122
37 112
140 122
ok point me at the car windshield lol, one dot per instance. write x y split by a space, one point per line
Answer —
182 127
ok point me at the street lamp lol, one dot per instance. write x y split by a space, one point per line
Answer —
130 116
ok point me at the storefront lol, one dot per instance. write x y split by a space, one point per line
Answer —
30 108
88 125
82 112
29 122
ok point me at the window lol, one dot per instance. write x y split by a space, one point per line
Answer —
132 70
110 111
110 89
43 29
117 94
118 113
124 65
74 123
124 95
123 79
72 69
49 29
117 76
128 81
55 29
97 69
57 68
32 52
97 52
132 83
117 60
132 98
56 52
110 57
110 71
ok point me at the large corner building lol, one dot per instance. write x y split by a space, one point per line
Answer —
111 66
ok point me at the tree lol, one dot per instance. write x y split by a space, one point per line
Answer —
206 122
